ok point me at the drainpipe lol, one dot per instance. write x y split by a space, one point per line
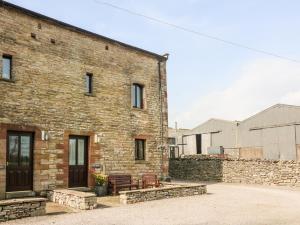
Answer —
161 118
161 104
295 129
161 114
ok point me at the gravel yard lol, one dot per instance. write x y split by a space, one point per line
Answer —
224 204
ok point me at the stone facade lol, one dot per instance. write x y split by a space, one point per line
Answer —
169 191
47 93
74 199
251 171
20 208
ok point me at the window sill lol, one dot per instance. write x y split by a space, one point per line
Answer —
90 95
139 109
7 80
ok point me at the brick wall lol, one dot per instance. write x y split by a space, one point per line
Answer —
48 93
266 172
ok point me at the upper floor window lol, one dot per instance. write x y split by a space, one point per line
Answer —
6 67
172 141
89 83
137 96
140 145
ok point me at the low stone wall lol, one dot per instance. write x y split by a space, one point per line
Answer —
249 171
169 191
20 208
197 168
74 199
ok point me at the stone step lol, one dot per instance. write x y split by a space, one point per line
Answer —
82 189
19 194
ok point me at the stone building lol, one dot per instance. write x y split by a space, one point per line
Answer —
73 102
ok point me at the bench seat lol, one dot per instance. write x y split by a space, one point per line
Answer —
117 182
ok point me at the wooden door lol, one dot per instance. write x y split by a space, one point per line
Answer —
78 173
19 170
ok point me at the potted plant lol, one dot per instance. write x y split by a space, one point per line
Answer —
100 184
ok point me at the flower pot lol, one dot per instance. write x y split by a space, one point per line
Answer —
101 190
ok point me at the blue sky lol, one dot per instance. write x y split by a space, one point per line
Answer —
206 78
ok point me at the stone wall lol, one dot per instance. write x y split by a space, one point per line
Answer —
20 208
266 172
196 168
74 199
170 191
47 93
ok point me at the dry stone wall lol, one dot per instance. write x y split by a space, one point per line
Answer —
171 191
74 199
20 208
265 172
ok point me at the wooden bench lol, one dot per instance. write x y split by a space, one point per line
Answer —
116 182
150 180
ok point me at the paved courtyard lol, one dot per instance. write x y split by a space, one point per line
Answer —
224 204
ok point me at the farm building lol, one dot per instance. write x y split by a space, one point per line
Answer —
273 133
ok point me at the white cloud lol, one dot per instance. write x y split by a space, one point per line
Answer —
261 84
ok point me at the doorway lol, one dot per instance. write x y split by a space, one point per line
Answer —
78 161
19 170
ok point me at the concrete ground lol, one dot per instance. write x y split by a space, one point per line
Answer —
224 204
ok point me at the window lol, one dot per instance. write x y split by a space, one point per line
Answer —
172 141
137 96
140 149
89 83
6 67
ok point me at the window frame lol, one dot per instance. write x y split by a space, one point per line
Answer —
89 83
136 151
171 140
10 58
135 96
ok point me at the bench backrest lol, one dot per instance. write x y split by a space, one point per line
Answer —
119 179
149 178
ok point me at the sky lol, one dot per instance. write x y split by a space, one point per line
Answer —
206 78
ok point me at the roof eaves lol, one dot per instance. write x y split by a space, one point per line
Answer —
80 30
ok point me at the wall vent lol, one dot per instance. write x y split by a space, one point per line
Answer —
33 35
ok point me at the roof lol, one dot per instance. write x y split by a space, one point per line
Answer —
270 108
79 30
215 119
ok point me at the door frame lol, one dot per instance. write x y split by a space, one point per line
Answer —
86 155
20 133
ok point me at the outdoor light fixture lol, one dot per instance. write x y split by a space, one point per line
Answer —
45 136
97 138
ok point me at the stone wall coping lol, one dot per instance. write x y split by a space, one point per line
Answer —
75 193
209 157
21 200
170 187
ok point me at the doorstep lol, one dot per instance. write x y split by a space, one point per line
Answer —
82 189
19 194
